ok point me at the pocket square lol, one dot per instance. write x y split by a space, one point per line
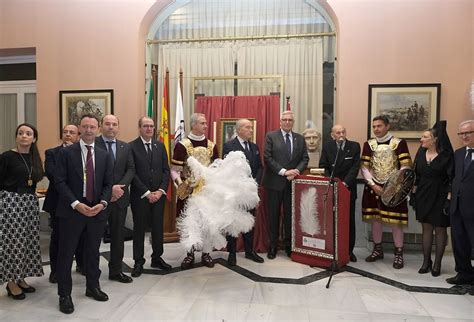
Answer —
347 158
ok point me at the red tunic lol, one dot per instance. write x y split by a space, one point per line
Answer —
372 206
180 155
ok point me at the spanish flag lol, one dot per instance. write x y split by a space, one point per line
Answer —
164 128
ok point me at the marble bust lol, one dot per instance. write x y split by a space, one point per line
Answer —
313 144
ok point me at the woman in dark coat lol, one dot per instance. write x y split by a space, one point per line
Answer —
434 172
20 169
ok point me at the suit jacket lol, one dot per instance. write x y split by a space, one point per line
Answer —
253 158
149 176
124 168
348 163
69 180
276 158
462 193
52 197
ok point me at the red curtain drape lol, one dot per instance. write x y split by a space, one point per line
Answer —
266 111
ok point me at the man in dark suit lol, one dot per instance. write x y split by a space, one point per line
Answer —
241 142
70 135
124 171
461 209
84 182
346 168
285 158
148 194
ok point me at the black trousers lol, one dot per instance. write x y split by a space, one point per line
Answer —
275 199
70 231
247 237
117 216
54 246
145 213
462 236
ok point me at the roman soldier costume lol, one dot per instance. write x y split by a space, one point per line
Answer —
205 151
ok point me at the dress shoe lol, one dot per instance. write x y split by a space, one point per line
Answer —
161 264
457 280
20 296
471 291
52 278
121 277
27 288
97 294
65 304
137 270
352 257
232 260
272 252
254 256
206 260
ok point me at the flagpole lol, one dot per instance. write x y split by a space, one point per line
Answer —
154 77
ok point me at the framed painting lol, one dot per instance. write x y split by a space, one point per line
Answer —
74 104
226 132
411 108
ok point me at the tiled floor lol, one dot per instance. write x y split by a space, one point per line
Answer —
274 290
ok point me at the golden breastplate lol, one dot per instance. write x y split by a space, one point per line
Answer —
384 161
191 185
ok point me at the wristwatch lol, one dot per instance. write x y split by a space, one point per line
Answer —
104 203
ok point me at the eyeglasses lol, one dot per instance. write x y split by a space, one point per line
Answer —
465 133
146 126
287 120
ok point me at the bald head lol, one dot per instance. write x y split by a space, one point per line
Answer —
338 132
109 126
244 129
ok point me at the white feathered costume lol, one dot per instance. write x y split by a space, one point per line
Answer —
220 208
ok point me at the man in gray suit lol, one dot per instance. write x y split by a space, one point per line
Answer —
124 171
461 210
285 157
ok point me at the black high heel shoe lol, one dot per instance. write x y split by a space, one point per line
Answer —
20 296
28 289
426 268
436 271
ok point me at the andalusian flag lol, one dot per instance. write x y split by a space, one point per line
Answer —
164 129
149 111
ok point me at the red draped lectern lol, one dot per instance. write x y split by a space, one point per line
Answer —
312 222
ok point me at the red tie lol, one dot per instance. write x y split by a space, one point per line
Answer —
89 175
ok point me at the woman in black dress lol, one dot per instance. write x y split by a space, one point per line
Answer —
434 171
20 170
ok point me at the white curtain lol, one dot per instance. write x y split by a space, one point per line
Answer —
8 121
194 60
231 18
300 61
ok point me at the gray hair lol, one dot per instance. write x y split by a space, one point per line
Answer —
285 113
140 121
195 118
240 124
466 122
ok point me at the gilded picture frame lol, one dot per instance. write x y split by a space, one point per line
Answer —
411 108
75 103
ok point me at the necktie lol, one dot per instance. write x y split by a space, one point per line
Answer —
467 160
247 150
110 149
148 151
89 175
288 144
246 147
